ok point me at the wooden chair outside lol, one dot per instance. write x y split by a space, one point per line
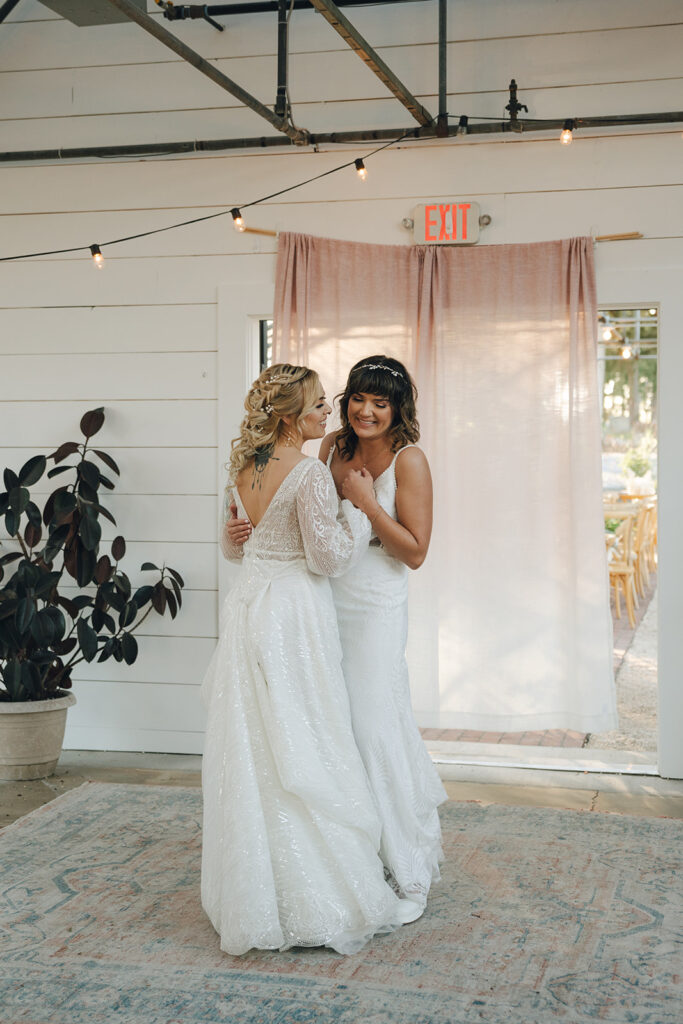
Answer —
622 568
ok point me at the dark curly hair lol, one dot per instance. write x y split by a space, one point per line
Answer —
385 376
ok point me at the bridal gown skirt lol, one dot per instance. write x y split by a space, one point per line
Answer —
372 613
291 834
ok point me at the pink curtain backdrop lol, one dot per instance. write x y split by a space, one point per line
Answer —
510 627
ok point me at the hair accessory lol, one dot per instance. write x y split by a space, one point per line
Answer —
381 366
269 409
282 379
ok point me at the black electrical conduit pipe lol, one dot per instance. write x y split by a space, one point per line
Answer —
333 138
265 6
9 6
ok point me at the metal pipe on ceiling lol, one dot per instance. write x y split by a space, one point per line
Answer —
359 45
7 8
263 6
442 120
298 136
332 138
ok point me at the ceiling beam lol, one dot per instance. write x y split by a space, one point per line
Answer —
298 136
355 40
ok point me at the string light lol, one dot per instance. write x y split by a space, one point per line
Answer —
607 334
97 257
361 168
566 133
237 219
626 352
652 312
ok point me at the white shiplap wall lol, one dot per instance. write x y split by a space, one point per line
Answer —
141 337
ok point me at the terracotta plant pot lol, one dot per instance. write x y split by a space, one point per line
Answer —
31 736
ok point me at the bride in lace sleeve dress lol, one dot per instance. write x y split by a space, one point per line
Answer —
291 833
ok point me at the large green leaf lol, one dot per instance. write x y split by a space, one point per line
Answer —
108 461
56 470
12 520
4 502
64 450
34 515
122 583
159 598
92 421
64 505
11 557
26 609
90 532
87 639
128 615
11 677
32 535
55 542
19 498
11 479
103 569
30 679
90 474
118 548
47 581
86 560
176 576
142 596
31 472
43 628
129 648
172 603
148 566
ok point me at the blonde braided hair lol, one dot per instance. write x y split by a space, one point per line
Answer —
280 390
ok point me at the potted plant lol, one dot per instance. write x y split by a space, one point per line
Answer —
46 631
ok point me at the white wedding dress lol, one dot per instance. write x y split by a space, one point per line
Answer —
372 613
291 834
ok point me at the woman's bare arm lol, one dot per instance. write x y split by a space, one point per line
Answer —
408 539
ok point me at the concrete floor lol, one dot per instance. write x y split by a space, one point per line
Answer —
554 784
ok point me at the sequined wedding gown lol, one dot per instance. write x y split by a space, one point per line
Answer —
372 612
290 834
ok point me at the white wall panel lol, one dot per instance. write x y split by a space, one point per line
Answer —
105 377
174 660
144 470
96 329
515 164
169 423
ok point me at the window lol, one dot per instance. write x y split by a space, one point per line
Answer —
627 364
265 335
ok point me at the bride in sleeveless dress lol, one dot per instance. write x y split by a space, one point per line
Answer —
378 435
291 833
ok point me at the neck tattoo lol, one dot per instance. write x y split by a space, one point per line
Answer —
261 459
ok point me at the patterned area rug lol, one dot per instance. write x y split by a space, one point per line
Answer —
541 916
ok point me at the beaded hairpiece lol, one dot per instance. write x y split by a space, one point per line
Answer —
381 366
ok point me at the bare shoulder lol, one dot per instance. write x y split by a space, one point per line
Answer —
411 465
326 446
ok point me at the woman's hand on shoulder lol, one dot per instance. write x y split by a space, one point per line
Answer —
358 487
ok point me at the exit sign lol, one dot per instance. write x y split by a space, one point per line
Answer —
455 222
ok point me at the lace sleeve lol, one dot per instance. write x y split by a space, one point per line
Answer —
333 539
233 552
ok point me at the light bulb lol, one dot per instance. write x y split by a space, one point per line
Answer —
97 257
361 168
607 334
626 352
566 133
652 312
237 219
